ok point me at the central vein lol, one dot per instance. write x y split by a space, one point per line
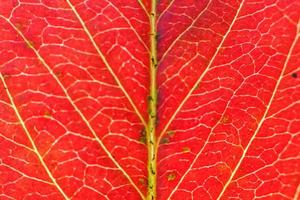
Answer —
152 107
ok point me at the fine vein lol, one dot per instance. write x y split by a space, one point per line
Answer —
77 109
202 75
131 26
183 32
265 113
106 62
31 140
190 93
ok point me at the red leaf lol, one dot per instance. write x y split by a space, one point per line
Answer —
81 81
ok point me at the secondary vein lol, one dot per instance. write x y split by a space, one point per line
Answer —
265 113
106 62
77 109
31 140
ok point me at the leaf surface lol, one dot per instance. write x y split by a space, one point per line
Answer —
76 82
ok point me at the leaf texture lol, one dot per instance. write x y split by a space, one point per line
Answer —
75 86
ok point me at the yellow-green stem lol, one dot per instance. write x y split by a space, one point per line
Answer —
152 106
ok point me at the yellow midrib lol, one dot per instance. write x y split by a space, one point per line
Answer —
152 108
